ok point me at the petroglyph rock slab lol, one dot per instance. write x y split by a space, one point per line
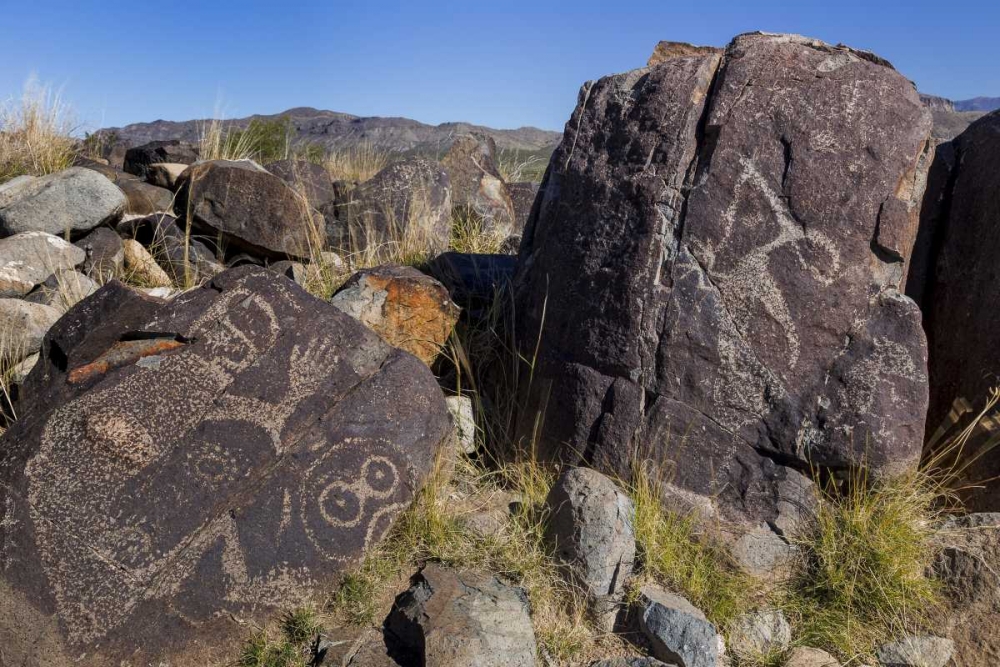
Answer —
192 466
476 183
717 279
409 309
252 209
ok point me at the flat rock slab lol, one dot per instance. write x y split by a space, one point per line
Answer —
73 200
460 619
712 265
221 457
29 258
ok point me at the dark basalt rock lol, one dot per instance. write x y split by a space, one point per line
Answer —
311 179
717 280
523 197
143 198
252 209
138 159
184 468
166 238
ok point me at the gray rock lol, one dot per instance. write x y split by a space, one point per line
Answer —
20 372
629 662
74 200
916 651
760 634
23 325
309 179
676 630
105 253
295 271
696 288
16 182
29 258
590 529
460 619
762 553
465 422
63 290
477 186
804 656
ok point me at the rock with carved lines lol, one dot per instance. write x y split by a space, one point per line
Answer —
183 468
713 265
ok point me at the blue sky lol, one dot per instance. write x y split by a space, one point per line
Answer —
504 64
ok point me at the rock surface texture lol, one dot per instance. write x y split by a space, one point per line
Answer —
29 258
192 466
718 279
408 309
958 284
252 209
676 630
476 183
74 200
460 619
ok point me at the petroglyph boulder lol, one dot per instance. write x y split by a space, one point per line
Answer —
253 210
718 279
310 179
477 185
407 203
407 308
191 467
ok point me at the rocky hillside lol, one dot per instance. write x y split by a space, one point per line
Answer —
341 130
978 104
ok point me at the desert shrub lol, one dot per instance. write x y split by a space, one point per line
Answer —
290 648
35 134
470 233
356 163
519 165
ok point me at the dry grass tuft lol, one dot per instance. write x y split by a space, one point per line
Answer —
215 142
357 163
35 134
470 233
517 166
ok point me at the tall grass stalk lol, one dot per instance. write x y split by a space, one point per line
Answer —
35 134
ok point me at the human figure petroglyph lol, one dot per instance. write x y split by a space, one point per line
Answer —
153 451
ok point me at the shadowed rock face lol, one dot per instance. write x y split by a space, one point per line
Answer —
187 464
715 281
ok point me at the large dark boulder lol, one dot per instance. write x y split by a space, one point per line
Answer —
407 203
310 179
138 159
184 469
252 209
958 284
715 282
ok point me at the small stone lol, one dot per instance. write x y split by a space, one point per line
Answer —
23 325
105 254
759 634
677 630
762 553
465 422
20 372
165 174
295 271
804 656
160 292
407 308
29 258
460 619
916 651
63 290
141 266
74 200
590 528
630 662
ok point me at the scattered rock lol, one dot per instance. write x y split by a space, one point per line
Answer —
141 266
196 466
760 634
138 159
464 419
916 651
295 271
762 553
700 289
163 235
20 372
460 619
590 528
105 255
63 290
677 631
23 325
73 200
165 174
309 179
407 308
29 258
803 656
669 50
250 208
522 196
630 662
408 202
477 185
144 198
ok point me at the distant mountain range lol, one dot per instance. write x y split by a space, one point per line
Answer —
339 130
951 117
986 104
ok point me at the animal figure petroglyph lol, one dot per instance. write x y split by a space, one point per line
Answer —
134 517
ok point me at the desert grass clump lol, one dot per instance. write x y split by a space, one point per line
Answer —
356 163
673 551
517 166
471 233
35 134
216 142
288 648
866 557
